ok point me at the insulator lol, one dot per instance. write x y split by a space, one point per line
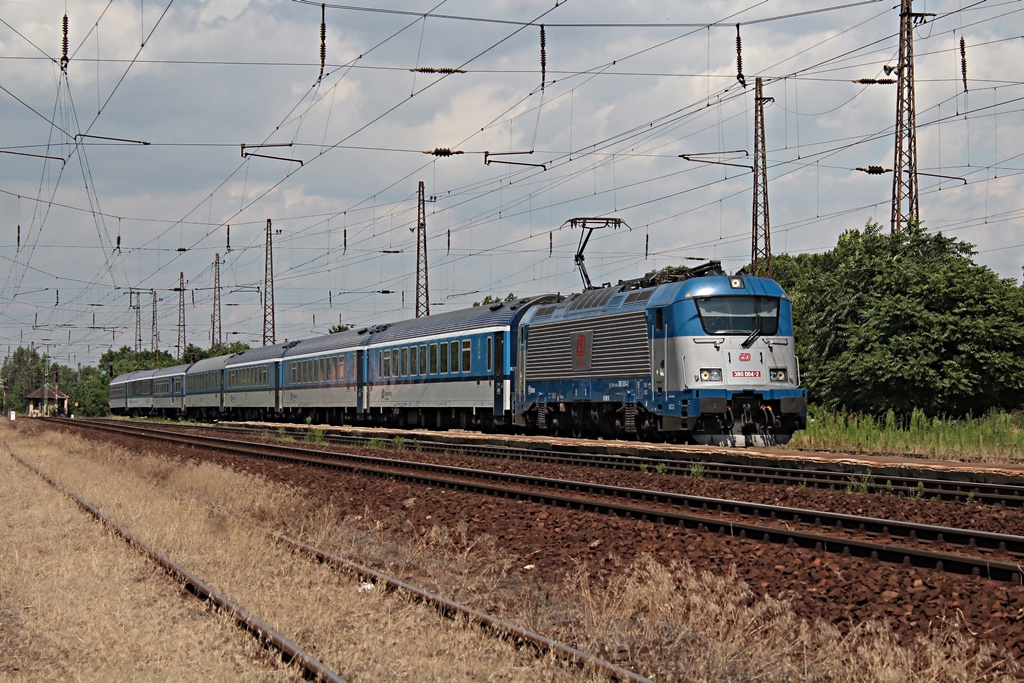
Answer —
873 170
19 238
647 246
442 151
437 70
543 57
344 241
229 239
739 58
323 39
963 61
551 243
119 243
876 81
449 242
64 54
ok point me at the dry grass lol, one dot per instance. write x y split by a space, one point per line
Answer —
201 515
698 626
670 623
77 603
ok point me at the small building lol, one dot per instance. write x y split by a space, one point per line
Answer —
56 402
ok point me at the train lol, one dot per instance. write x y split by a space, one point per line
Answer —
693 355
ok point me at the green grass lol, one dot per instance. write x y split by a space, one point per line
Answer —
996 437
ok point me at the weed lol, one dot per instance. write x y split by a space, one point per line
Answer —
643 468
916 493
802 485
416 445
376 444
315 436
994 437
398 443
283 435
888 487
697 470
970 498
859 483
662 468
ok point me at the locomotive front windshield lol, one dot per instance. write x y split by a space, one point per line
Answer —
739 315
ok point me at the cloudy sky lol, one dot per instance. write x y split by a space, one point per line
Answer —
627 88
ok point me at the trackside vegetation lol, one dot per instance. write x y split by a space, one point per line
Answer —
905 322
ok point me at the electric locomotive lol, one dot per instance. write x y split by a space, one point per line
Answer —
695 353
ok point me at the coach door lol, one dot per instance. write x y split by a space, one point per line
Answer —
500 374
360 382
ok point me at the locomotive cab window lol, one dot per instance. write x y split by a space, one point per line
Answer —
739 315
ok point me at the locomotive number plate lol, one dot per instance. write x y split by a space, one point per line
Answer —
746 373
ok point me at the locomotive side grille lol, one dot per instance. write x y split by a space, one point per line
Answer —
618 348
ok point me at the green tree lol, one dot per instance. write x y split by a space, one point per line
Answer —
22 372
903 321
488 300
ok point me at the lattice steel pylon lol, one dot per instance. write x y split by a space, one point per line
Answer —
181 314
422 287
216 338
154 343
905 208
761 241
269 333
138 318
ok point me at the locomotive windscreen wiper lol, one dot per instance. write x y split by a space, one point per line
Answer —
753 335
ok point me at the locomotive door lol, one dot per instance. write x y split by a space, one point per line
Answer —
360 382
659 349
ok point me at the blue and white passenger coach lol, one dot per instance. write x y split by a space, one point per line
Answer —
708 356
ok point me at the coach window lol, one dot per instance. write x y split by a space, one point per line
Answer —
455 356
386 370
490 354
444 358
414 362
433 359
423 359
467 355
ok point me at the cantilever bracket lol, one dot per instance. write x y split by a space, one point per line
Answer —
267 156
488 160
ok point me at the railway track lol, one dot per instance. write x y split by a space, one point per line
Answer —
290 652
709 463
993 556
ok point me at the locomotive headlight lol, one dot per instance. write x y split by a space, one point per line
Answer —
711 374
778 375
